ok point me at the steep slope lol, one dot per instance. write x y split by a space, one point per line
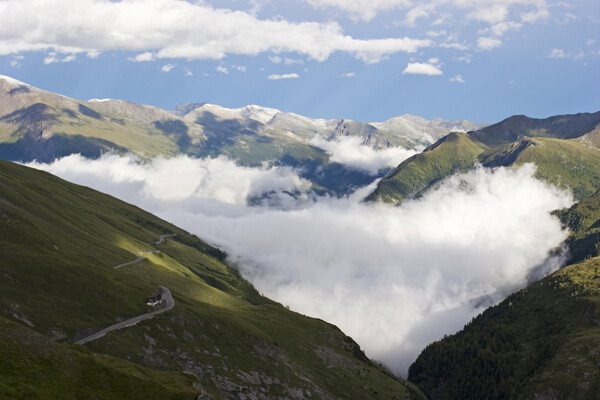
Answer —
583 220
453 153
519 126
61 243
541 342
561 147
565 163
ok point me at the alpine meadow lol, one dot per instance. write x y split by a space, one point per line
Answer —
306 199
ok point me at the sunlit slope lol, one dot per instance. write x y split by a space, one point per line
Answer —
541 342
453 153
567 164
562 148
60 243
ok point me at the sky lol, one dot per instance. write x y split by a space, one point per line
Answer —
393 278
368 60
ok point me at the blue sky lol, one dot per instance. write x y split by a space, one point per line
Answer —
368 60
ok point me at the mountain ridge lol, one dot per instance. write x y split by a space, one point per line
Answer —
513 141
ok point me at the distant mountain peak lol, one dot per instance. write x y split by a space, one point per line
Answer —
13 81
183 109
257 113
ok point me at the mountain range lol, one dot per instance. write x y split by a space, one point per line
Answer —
76 261
39 125
564 148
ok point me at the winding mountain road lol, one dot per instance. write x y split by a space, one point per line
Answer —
162 238
132 321
137 260
166 295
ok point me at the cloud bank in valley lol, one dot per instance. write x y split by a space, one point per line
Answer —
350 151
393 278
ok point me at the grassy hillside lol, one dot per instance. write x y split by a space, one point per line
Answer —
561 147
542 342
60 243
453 153
567 164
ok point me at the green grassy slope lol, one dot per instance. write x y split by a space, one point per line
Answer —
567 164
559 147
59 244
453 153
541 342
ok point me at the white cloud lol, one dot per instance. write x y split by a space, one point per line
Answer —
557 53
491 14
176 29
350 151
590 42
458 78
348 75
16 61
93 54
275 59
179 179
276 77
241 68
361 9
420 11
436 33
292 61
53 57
466 59
534 16
488 43
501 28
142 57
488 11
454 45
168 67
431 67
222 69
394 278
188 72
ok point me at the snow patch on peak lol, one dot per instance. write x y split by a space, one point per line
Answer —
99 100
257 113
12 81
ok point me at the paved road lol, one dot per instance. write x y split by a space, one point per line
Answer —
132 321
137 260
162 238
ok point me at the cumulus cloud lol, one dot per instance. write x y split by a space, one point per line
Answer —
431 67
168 67
458 79
53 57
176 29
276 77
348 75
145 56
168 181
488 43
350 151
394 278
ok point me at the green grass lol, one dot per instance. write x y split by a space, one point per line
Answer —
60 243
567 164
540 341
454 153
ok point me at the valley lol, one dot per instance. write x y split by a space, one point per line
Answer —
275 230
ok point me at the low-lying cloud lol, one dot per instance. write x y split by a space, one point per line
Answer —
350 151
394 278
